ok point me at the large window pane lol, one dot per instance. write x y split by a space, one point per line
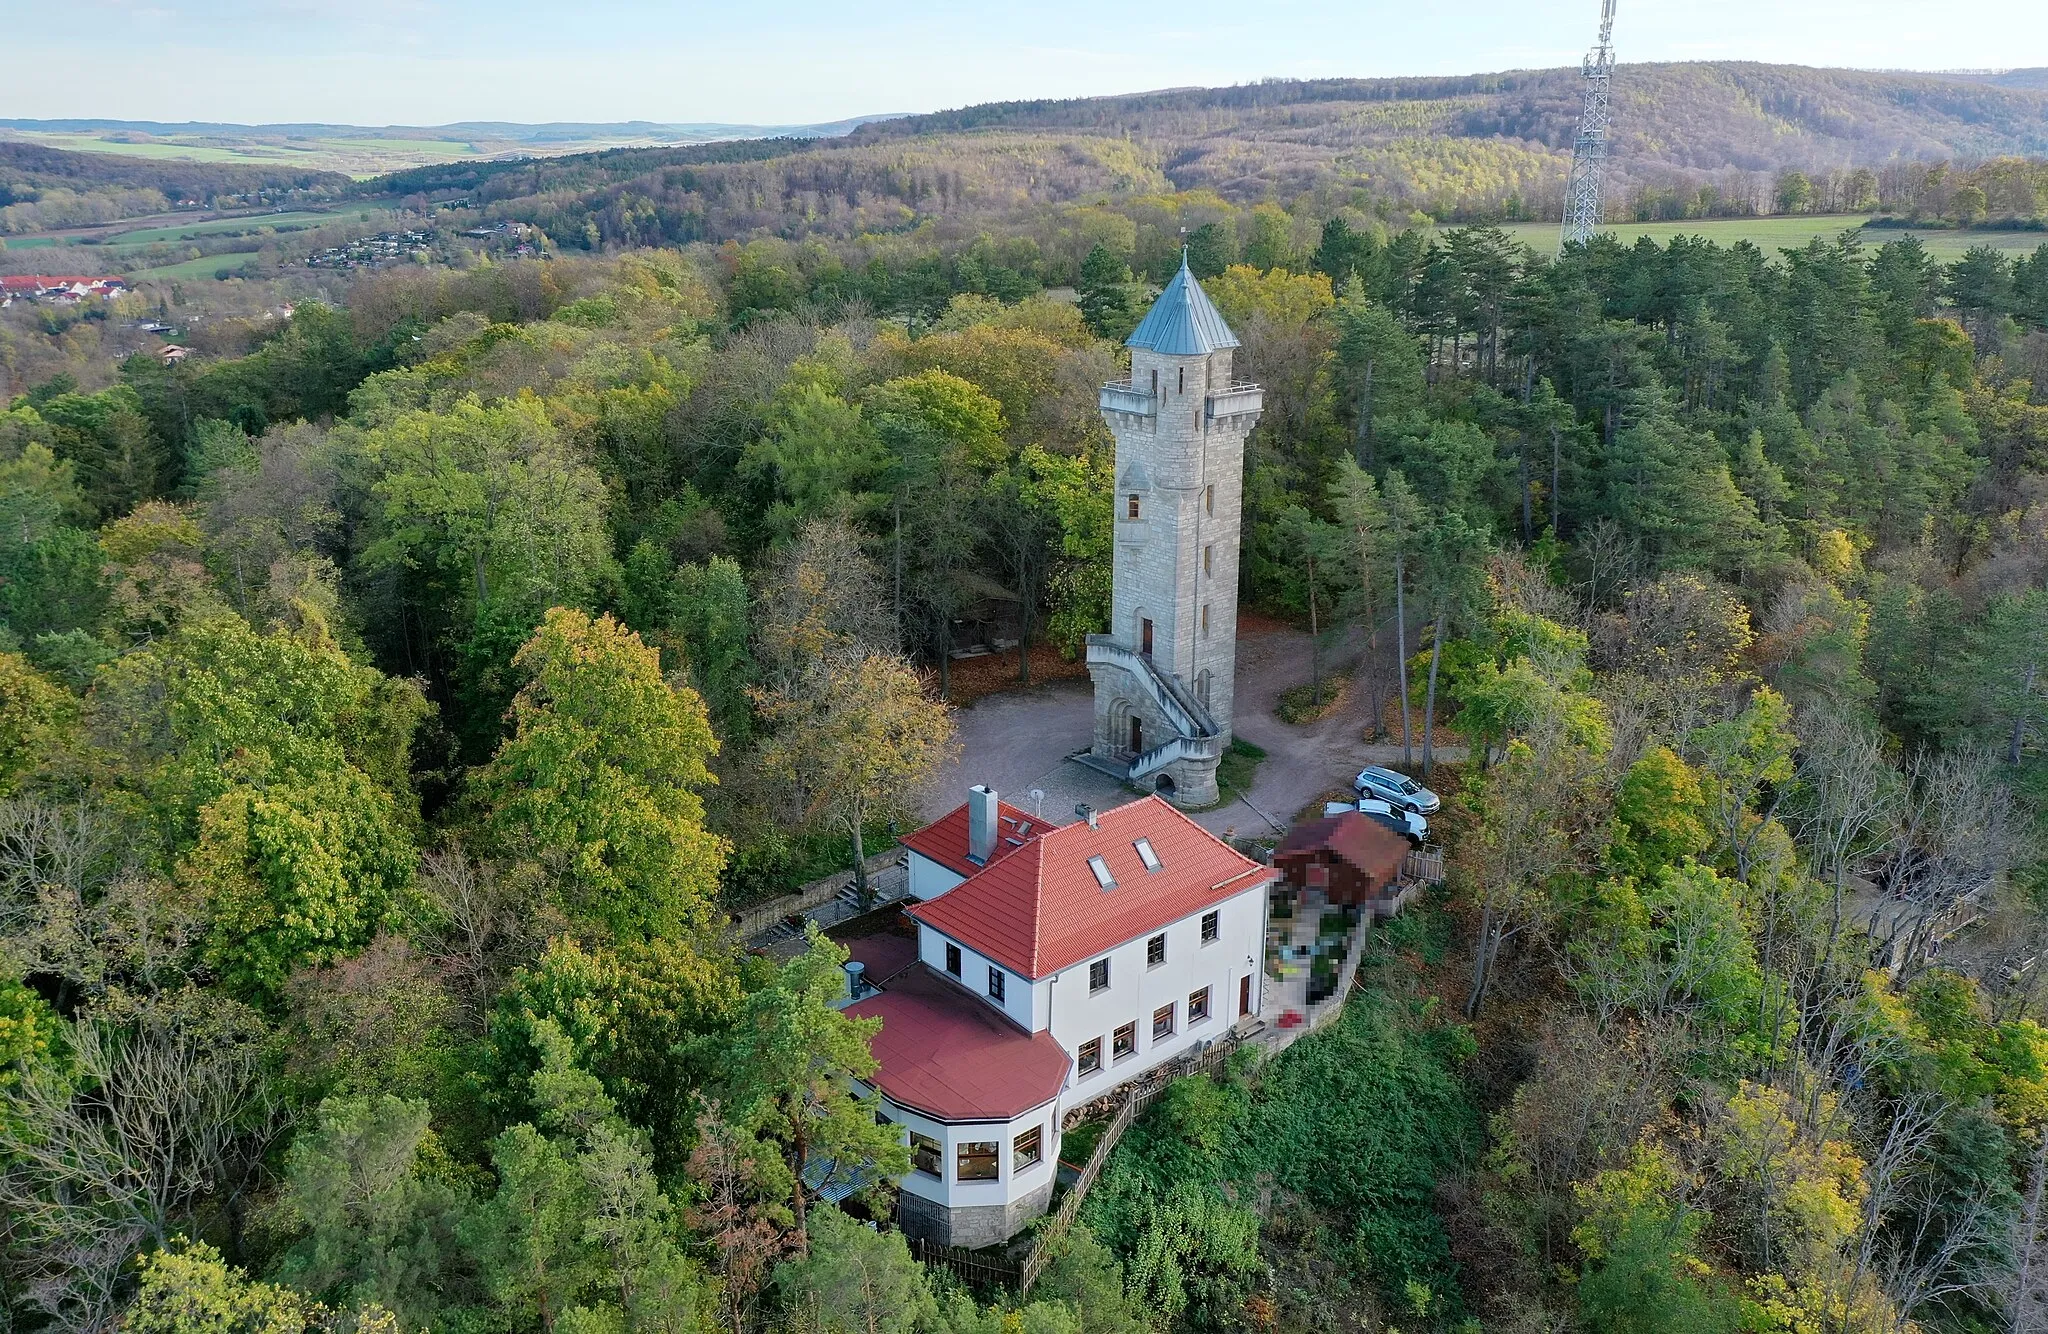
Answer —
977 1161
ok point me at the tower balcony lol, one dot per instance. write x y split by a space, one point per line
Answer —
1123 396
1240 400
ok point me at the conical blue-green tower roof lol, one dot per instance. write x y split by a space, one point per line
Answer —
1183 322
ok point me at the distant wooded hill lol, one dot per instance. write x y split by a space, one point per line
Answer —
1686 118
1690 140
43 187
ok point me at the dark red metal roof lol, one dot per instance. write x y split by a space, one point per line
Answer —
945 1053
1040 909
944 840
1366 844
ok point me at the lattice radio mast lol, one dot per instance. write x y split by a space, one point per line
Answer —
1589 153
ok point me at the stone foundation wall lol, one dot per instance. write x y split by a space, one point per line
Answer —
972 1226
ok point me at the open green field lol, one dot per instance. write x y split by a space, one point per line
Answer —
161 149
206 266
1771 235
297 221
28 242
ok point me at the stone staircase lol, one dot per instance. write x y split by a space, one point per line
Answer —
1197 737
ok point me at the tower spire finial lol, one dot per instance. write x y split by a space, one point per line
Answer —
1183 245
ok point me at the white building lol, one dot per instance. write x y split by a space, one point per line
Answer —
1052 964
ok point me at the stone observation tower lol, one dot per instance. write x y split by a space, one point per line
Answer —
1164 673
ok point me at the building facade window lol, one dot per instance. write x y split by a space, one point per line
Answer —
1205 620
1212 927
1209 499
1123 1042
1131 505
1155 950
1098 976
1183 379
975 1160
953 960
924 1154
1089 1059
995 984
1028 1149
1162 1022
1198 1006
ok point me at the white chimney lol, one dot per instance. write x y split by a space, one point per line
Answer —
981 824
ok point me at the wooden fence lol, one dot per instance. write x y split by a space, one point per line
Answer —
1426 865
971 1266
1141 1095
983 1269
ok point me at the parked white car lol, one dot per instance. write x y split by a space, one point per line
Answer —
1396 789
1405 823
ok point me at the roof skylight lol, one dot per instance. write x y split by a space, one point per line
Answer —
1146 855
1102 875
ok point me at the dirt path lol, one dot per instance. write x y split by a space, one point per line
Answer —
1304 761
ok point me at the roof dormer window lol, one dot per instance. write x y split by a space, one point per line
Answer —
1146 855
1102 875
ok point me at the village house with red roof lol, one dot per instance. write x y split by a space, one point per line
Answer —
1053 964
60 290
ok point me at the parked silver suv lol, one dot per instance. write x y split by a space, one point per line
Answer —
1397 790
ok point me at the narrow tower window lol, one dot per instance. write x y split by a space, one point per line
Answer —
1183 379
1205 619
1206 552
1209 499
1131 506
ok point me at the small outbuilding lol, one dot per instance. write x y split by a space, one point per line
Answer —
1352 860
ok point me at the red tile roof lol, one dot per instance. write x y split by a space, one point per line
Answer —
944 840
947 1054
1040 909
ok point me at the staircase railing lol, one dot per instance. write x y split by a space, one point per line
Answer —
1175 748
1182 709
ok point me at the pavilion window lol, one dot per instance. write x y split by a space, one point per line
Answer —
976 1160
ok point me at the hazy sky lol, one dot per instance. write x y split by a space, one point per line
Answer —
791 61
